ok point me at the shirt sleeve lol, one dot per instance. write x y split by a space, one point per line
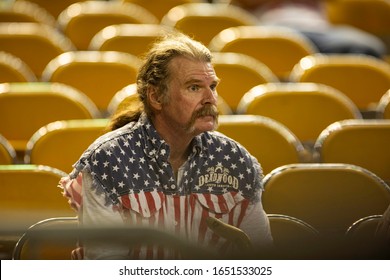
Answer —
97 214
256 225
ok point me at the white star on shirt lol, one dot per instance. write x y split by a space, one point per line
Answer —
136 176
104 176
106 163
115 168
121 184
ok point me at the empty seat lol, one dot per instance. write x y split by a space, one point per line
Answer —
7 151
13 69
362 240
269 141
330 197
49 239
383 107
129 38
60 144
29 193
305 108
203 21
25 107
157 7
360 142
239 73
292 237
33 43
25 11
279 48
54 7
81 21
364 79
98 74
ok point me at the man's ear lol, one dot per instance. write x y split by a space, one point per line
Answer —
154 98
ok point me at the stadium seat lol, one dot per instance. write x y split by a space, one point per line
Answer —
305 108
128 37
361 142
203 21
267 140
239 73
13 69
49 239
29 193
157 7
35 44
279 48
364 79
60 144
330 197
25 107
54 7
24 11
98 74
81 21
292 237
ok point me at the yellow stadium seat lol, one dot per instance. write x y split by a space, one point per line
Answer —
50 239
292 237
60 144
305 108
33 43
364 79
239 73
29 193
25 11
362 240
330 197
81 21
54 7
13 69
279 48
25 107
7 151
128 37
383 107
203 21
269 141
98 74
157 7
360 142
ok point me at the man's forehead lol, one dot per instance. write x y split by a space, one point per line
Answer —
193 69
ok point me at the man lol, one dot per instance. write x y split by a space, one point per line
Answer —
166 169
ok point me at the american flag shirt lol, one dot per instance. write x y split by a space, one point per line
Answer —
129 168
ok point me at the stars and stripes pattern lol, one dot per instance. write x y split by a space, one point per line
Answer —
219 179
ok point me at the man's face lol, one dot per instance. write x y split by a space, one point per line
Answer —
192 97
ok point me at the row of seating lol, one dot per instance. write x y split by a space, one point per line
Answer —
55 239
311 207
220 26
363 79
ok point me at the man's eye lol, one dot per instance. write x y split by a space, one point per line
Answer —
194 88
